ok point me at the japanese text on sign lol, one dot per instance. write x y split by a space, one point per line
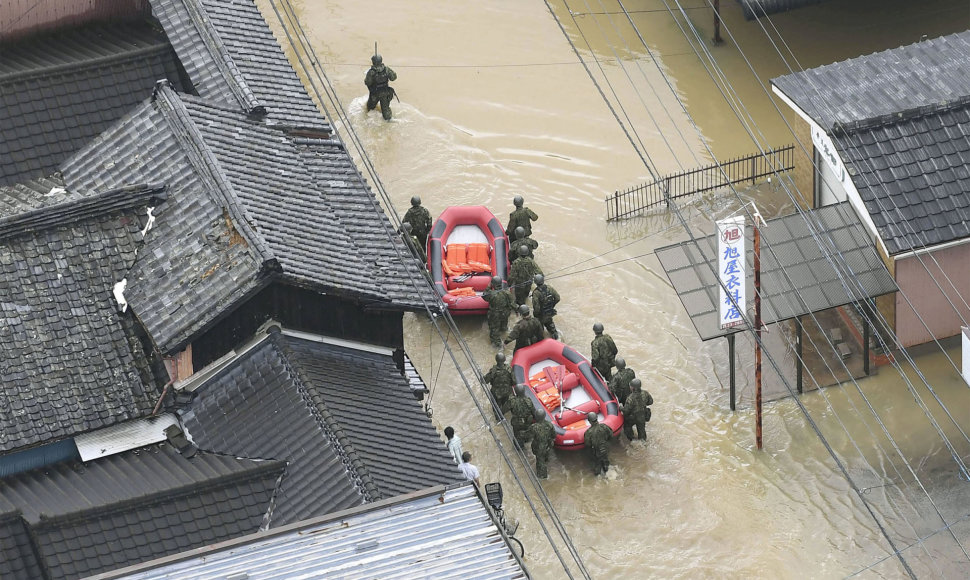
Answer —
730 262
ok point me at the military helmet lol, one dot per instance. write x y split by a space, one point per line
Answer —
406 226
520 389
540 415
415 200
376 60
539 279
523 310
519 232
518 201
500 358
598 328
591 417
620 363
523 250
497 281
635 384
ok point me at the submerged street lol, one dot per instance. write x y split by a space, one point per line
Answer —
495 102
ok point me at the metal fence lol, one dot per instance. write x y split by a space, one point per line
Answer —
676 185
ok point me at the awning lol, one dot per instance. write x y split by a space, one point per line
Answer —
797 276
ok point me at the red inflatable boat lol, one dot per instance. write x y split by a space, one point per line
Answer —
563 383
467 246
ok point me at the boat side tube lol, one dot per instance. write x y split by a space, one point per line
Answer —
500 250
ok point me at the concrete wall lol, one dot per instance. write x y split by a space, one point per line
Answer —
21 17
931 298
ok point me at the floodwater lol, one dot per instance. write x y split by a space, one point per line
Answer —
494 103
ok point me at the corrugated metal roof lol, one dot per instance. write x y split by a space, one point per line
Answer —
442 534
796 277
124 437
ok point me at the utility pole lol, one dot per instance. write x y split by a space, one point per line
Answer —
717 22
757 328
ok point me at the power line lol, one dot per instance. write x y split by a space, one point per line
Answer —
417 279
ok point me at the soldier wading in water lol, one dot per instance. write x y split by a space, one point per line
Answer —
377 79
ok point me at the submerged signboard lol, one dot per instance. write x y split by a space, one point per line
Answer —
730 267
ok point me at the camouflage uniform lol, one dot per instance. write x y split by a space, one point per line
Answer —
544 300
528 330
520 217
522 414
417 249
500 306
620 383
597 440
604 354
636 413
523 271
543 436
380 92
420 220
502 380
526 241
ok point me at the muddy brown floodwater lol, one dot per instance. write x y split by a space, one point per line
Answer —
494 102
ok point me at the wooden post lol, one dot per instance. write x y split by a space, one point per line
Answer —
730 339
717 22
798 352
757 330
865 344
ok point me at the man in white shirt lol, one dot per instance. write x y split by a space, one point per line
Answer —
470 471
454 444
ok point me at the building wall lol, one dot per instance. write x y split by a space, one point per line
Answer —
932 298
21 17
804 173
299 309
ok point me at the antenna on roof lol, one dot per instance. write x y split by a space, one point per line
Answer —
375 48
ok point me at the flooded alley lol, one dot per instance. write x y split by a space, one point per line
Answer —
566 102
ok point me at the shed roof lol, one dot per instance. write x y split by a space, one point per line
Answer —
58 90
133 507
797 277
930 72
68 365
323 408
232 57
439 533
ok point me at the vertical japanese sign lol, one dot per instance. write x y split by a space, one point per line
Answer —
730 262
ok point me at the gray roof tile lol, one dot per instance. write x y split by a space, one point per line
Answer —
926 73
137 506
18 557
336 401
57 91
68 364
232 57
921 196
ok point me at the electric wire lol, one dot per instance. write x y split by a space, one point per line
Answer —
321 78
796 204
890 437
685 225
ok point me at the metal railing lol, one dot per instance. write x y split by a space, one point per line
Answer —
749 168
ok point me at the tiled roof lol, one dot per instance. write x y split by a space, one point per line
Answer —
344 419
59 90
68 365
197 264
232 57
247 203
913 174
439 533
33 194
18 556
930 72
137 506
